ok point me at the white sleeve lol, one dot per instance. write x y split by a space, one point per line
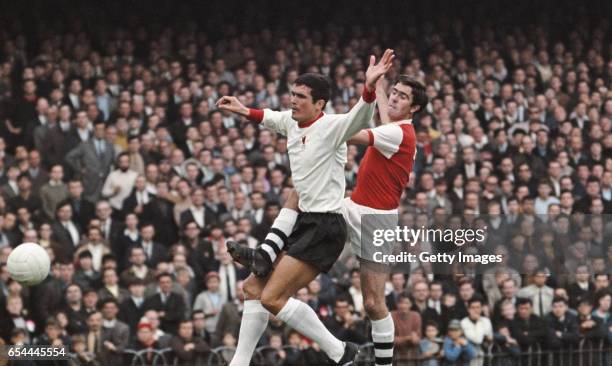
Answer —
108 187
469 331
387 139
277 121
352 122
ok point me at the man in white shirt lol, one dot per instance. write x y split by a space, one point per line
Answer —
317 150
541 296
477 329
120 182
544 198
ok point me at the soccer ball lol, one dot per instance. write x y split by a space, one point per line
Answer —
29 264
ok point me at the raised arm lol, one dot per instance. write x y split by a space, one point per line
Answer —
382 100
232 104
273 120
363 137
358 117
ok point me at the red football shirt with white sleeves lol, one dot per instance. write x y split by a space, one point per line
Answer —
385 169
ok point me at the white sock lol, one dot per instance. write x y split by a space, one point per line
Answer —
383 334
254 323
279 232
302 318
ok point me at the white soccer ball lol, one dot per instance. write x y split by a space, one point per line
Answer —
29 264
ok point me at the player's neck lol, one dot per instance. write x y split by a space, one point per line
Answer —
402 119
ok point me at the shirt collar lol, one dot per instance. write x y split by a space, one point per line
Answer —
109 323
309 123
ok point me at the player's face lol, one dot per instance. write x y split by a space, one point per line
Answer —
400 102
303 108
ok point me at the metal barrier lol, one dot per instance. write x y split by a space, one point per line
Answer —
586 353
221 356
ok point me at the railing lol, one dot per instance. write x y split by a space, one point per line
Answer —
586 353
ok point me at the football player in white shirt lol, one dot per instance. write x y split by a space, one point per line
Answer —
384 172
317 150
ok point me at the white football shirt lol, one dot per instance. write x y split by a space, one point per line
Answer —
317 153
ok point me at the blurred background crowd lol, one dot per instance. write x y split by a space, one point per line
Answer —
114 158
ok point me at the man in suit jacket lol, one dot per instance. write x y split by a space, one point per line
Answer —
529 329
10 189
154 252
508 291
129 237
26 198
66 232
73 97
170 306
110 228
197 212
469 167
230 315
132 308
563 325
92 160
39 119
398 281
85 276
38 175
159 212
200 252
582 286
52 291
179 128
229 275
39 129
60 139
440 198
115 333
110 287
93 338
137 269
138 198
82 209
54 191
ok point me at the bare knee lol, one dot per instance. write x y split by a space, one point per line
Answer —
252 288
373 278
375 306
272 302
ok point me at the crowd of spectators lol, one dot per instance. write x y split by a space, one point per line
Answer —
114 158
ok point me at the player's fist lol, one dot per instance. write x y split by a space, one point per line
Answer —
232 104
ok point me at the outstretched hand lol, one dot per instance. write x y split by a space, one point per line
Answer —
232 104
375 71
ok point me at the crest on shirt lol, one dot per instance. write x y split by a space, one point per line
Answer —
303 142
